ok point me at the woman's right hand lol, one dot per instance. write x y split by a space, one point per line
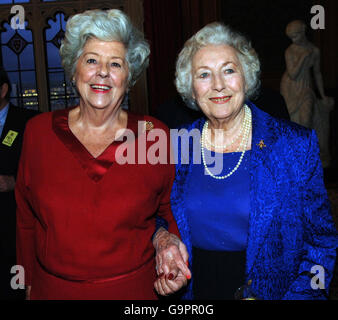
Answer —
171 263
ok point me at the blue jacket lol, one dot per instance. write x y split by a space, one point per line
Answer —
290 226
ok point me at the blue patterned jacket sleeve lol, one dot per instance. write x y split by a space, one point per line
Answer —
161 222
320 234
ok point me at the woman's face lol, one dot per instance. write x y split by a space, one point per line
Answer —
101 74
218 82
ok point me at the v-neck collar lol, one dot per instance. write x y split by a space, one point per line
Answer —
97 167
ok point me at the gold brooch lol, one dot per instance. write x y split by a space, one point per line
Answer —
149 125
261 144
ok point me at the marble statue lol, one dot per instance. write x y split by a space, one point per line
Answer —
297 87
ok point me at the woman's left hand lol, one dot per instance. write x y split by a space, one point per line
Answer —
171 263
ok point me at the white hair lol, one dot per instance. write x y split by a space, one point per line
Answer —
110 25
216 34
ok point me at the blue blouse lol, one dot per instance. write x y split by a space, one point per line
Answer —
3 116
218 210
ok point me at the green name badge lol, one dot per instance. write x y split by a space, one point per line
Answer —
10 137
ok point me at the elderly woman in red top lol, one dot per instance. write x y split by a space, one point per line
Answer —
85 221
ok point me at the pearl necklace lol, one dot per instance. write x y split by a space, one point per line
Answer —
243 145
224 146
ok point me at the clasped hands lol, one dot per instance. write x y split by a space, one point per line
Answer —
171 263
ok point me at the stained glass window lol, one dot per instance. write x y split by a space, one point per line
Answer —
61 92
37 78
13 1
18 60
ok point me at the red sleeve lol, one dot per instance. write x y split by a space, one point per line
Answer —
24 213
165 207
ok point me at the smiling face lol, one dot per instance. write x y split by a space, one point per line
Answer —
101 74
218 82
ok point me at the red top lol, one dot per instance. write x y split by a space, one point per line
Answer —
84 219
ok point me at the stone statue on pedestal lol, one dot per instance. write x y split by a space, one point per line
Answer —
297 87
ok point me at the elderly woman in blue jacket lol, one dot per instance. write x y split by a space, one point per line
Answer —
248 197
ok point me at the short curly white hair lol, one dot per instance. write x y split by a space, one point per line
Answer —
216 33
105 25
